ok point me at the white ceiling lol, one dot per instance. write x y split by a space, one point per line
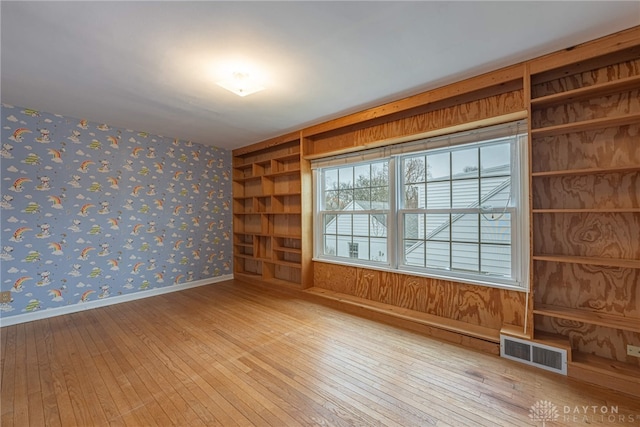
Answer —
152 66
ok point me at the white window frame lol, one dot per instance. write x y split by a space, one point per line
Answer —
519 279
319 215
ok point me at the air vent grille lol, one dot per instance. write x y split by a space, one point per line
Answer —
518 350
533 353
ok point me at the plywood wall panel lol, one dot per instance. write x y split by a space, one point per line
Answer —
598 340
493 106
414 294
608 290
608 235
366 283
385 287
335 277
608 147
588 78
594 108
463 113
602 191
479 305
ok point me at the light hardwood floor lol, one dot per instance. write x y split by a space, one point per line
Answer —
234 354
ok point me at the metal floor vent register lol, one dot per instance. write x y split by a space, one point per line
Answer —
534 354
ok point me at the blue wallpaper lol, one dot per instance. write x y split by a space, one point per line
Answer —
90 211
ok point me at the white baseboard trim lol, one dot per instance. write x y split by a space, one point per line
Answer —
59 311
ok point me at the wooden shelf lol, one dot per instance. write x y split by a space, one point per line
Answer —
243 166
285 263
583 93
248 178
267 213
590 317
586 125
605 262
283 173
244 245
244 233
290 250
590 171
292 156
288 236
280 213
267 188
588 210
294 193
615 368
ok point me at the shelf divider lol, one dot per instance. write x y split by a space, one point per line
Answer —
585 125
590 317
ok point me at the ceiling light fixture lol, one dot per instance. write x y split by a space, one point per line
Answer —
241 84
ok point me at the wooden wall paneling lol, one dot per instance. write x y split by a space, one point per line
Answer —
385 288
366 283
603 235
528 319
439 291
334 277
412 293
593 339
287 274
306 216
613 147
610 290
608 191
617 66
476 305
618 104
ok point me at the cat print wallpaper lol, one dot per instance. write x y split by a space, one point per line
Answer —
90 211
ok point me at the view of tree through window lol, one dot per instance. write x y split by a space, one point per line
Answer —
363 189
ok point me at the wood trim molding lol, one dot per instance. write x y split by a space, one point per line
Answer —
602 46
289 137
44 314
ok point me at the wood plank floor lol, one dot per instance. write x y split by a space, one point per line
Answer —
232 354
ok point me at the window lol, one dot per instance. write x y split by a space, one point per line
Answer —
451 208
354 214
353 250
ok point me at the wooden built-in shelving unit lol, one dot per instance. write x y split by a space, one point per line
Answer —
583 110
585 180
267 211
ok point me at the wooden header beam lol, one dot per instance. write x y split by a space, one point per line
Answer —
289 137
602 46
